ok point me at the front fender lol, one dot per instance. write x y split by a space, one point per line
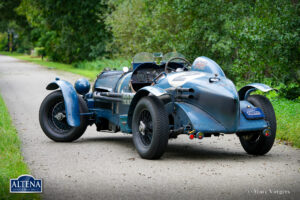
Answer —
70 100
145 91
245 91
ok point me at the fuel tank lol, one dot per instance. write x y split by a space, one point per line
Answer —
215 95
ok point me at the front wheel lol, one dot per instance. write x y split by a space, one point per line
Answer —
53 119
150 128
255 143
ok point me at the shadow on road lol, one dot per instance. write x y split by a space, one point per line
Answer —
184 151
202 152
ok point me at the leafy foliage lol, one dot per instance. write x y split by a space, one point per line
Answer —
3 41
251 40
99 65
69 30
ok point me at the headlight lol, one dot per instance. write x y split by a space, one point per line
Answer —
82 86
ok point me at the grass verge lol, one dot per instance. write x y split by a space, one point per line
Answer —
288 120
89 69
12 164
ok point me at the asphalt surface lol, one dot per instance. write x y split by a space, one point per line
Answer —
103 165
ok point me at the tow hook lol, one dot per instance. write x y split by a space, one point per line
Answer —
266 132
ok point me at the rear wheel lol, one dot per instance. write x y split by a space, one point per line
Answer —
150 128
53 119
255 143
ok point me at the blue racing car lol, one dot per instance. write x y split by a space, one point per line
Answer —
158 98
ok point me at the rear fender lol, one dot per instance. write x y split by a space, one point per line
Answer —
245 91
145 91
70 100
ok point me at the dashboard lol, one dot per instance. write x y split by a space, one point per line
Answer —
144 74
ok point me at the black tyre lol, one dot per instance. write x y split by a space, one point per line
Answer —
53 118
255 143
150 128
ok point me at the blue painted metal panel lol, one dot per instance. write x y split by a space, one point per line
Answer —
157 91
122 85
107 114
107 80
218 99
124 125
90 103
203 122
200 120
70 100
207 65
116 119
214 106
250 125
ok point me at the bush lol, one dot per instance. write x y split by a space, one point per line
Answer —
3 42
104 63
70 31
40 51
251 40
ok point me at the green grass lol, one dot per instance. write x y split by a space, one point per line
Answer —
288 120
12 164
89 69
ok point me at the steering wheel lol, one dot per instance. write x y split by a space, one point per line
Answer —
185 66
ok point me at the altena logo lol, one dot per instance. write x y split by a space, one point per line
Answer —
26 184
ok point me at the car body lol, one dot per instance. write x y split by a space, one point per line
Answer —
198 100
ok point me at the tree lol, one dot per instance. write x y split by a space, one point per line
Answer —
69 30
251 40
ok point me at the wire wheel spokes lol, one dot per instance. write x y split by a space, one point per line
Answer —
145 127
58 117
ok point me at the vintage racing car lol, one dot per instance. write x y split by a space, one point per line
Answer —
160 98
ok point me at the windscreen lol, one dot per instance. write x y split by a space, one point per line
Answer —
143 57
170 55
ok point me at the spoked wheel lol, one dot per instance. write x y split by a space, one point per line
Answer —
255 143
53 118
145 127
57 118
150 128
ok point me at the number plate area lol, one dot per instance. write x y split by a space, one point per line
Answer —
253 113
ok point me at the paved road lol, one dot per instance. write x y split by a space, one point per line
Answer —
106 165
